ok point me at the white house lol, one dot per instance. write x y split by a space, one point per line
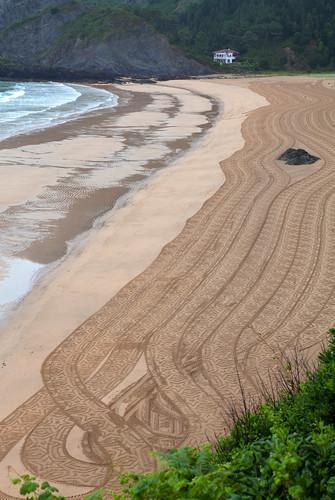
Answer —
225 56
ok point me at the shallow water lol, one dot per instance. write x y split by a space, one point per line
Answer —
28 106
51 192
20 274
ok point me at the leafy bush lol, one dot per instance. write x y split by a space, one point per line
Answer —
31 489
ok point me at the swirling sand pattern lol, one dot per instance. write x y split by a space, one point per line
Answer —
250 276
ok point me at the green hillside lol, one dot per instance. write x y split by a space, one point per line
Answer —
270 35
289 33
298 34
87 39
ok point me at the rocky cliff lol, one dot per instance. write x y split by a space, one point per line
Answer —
50 38
12 11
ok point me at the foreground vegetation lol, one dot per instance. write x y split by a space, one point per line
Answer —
284 449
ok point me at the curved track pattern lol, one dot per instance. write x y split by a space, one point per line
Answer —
251 276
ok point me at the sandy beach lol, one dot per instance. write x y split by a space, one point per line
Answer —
204 273
122 244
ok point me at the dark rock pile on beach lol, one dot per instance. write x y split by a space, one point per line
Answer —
298 157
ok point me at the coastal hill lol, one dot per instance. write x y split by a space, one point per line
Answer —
57 38
161 38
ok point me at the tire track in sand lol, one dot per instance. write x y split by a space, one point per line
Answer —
251 272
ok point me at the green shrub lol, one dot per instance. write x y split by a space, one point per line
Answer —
31 489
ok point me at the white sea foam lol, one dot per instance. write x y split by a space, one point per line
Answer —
19 277
29 106
10 96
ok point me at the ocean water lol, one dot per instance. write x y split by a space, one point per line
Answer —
18 280
28 106
74 181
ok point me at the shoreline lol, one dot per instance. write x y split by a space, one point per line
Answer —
89 207
81 106
120 247
45 298
208 288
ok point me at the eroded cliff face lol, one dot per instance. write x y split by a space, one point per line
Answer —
143 55
12 11
37 39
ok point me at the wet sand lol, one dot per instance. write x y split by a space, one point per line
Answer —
55 183
216 268
126 241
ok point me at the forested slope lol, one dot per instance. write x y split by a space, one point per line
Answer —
162 37
289 33
70 39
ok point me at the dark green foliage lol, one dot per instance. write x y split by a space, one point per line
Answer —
269 33
33 490
102 22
